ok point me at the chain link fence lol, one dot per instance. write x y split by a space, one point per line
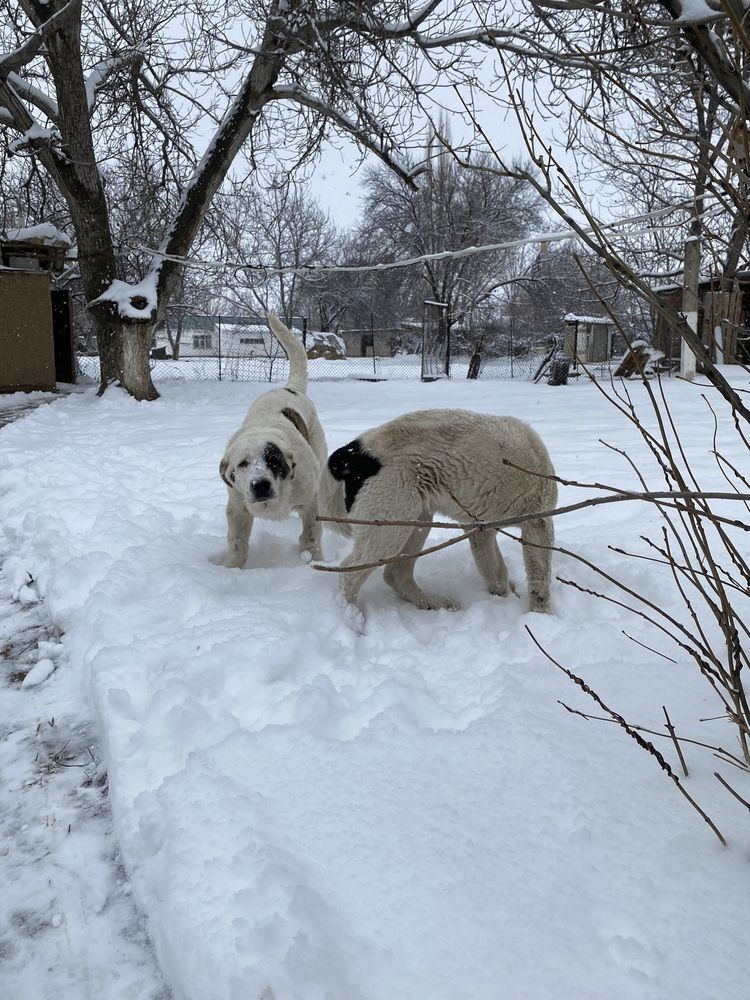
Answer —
242 349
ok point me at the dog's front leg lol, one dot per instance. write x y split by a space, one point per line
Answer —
400 575
490 563
239 526
309 540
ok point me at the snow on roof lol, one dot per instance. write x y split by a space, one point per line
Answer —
600 320
45 235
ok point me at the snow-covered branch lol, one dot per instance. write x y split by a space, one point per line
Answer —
100 73
41 101
33 139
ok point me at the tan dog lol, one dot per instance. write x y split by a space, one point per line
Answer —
272 464
448 462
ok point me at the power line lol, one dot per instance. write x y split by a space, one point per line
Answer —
306 269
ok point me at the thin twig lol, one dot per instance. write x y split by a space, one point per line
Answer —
659 499
677 746
644 744
723 755
649 648
730 789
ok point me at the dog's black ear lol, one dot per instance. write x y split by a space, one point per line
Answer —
223 470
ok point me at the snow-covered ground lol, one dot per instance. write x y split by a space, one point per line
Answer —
306 813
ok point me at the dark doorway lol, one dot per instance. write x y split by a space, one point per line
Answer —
62 332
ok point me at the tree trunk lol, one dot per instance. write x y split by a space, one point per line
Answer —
78 177
136 368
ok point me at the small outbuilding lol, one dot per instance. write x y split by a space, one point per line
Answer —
36 333
588 339
367 343
723 319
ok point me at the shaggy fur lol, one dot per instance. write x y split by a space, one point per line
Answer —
447 462
272 464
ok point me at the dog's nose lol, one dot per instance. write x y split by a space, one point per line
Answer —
261 488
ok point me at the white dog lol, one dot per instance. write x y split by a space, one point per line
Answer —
271 465
440 461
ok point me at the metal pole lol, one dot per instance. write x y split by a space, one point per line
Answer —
446 320
690 303
220 348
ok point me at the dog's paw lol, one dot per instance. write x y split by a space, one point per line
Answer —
354 619
232 562
308 555
503 590
434 602
539 603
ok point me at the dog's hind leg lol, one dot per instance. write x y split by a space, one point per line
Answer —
490 563
538 538
239 525
400 575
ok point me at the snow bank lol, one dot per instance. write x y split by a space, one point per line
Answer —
305 813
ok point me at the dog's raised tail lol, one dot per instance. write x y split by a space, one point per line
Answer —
295 351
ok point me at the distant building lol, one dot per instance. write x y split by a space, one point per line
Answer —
36 333
588 339
34 248
723 320
367 343
210 336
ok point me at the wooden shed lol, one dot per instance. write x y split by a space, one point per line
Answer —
36 333
723 320
588 339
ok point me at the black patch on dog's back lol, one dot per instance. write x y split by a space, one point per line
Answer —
276 461
294 418
352 465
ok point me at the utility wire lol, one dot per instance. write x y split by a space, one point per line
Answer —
542 238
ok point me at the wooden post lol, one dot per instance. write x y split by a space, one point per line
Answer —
690 304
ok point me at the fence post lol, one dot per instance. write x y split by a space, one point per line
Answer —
220 348
690 304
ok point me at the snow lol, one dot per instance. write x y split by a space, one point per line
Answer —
39 673
125 296
697 12
318 339
305 813
97 76
596 320
33 134
68 927
44 234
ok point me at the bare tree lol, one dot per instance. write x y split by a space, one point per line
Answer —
561 280
453 209
281 233
74 89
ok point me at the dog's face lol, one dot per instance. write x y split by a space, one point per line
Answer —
260 471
